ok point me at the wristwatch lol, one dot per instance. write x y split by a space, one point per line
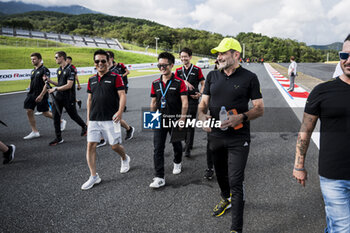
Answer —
245 117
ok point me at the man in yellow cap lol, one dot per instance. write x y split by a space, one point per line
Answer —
230 88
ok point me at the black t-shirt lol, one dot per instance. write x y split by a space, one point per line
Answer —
120 68
233 92
36 80
176 89
195 77
105 98
63 76
329 101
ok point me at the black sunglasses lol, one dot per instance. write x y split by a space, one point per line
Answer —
162 66
344 55
102 61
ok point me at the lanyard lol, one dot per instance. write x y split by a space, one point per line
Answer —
166 90
189 73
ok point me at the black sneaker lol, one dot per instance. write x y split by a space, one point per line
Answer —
56 141
10 154
83 131
79 104
130 133
101 143
220 208
187 153
209 174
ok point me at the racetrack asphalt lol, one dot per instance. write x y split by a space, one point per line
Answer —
321 71
40 190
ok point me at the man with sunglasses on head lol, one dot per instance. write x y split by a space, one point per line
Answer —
328 102
37 95
169 98
65 97
105 106
232 87
193 76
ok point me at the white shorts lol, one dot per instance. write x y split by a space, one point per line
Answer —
105 129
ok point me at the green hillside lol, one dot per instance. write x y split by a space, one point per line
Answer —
143 32
13 57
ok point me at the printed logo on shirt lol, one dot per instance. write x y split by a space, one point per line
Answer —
172 88
236 86
108 81
59 72
151 120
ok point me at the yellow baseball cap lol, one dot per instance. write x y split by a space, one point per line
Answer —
226 44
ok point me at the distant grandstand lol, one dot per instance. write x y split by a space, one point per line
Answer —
79 41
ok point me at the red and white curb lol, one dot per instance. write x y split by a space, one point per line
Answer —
296 99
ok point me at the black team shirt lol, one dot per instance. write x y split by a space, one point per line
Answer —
195 77
120 68
63 76
36 81
104 93
233 92
330 102
176 89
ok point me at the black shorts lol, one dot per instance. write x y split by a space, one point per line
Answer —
29 103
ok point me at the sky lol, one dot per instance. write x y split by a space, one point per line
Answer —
317 22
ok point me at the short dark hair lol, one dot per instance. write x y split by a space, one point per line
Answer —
292 58
111 54
101 52
62 54
347 38
166 55
38 55
186 50
69 57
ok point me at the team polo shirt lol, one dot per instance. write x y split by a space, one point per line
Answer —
74 68
329 101
63 76
233 92
120 69
176 89
195 77
104 96
36 80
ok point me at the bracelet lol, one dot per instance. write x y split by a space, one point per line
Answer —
299 169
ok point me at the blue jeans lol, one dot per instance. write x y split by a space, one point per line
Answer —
336 195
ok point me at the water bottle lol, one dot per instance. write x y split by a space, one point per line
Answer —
223 116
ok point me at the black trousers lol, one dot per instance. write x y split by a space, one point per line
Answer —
72 112
159 141
192 112
230 159
210 163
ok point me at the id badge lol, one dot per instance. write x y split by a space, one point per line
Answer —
162 102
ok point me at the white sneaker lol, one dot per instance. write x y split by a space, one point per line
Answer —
177 168
157 183
91 182
32 135
63 124
38 113
125 165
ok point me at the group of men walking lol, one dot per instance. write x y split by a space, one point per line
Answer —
178 97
